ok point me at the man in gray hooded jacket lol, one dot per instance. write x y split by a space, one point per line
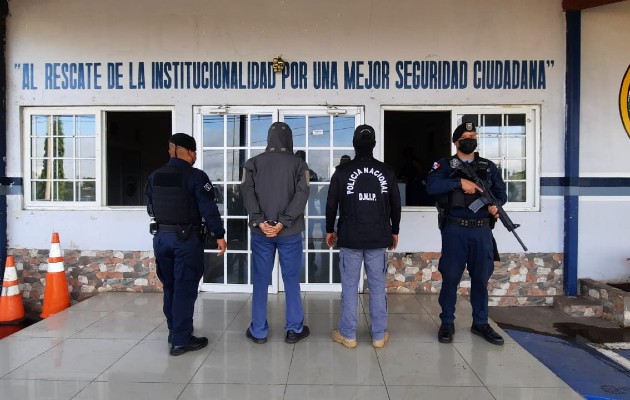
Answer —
275 190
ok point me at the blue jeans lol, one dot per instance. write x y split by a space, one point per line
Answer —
350 268
263 253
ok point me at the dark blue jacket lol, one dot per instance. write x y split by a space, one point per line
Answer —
366 192
275 186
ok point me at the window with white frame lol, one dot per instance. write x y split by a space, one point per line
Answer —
507 136
415 137
77 157
61 154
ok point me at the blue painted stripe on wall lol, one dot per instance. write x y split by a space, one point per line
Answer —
559 186
7 180
9 185
586 182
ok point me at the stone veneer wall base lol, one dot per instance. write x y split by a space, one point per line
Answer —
615 302
518 280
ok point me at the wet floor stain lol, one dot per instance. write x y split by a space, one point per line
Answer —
592 334
579 332
9 329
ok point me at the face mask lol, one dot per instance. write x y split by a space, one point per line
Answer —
467 146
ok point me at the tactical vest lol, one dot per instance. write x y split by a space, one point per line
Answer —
457 198
173 204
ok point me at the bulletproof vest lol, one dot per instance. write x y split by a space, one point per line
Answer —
172 202
457 198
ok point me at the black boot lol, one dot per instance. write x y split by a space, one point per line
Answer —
446 332
486 332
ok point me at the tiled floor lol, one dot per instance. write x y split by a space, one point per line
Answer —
113 346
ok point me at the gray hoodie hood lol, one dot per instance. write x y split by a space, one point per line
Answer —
280 137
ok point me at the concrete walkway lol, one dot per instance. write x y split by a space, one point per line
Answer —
113 346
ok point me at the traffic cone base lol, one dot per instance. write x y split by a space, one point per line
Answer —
11 305
56 295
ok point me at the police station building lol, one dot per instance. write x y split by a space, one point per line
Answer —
94 89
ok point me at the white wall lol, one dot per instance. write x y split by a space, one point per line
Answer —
604 144
194 30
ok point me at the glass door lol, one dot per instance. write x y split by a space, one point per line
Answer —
323 136
230 136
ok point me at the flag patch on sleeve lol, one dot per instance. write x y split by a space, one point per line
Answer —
436 165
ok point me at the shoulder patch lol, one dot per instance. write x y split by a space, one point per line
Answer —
208 186
436 165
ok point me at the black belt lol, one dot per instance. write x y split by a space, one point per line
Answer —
469 223
176 228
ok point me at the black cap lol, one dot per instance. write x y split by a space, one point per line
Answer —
184 140
364 136
465 127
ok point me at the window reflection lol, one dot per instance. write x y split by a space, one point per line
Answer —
236 207
342 156
236 130
213 164
218 197
516 191
213 272
516 146
319 161
318 267
259 127
319 129
343 130
212 131
297 123
234 164
237 270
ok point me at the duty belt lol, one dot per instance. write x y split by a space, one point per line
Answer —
176 228
469 223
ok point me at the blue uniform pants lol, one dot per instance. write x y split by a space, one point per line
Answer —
263 253
350 268
180 268
464 247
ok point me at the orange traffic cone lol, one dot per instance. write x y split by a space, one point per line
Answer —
11 306
56 296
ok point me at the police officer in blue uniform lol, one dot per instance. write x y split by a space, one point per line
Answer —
178 197
467 240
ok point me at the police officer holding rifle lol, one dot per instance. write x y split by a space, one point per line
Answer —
466 219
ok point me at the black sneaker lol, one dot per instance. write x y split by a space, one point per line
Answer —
294 337
487 333
255 339
195 343
446 332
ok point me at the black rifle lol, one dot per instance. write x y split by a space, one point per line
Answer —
486 198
